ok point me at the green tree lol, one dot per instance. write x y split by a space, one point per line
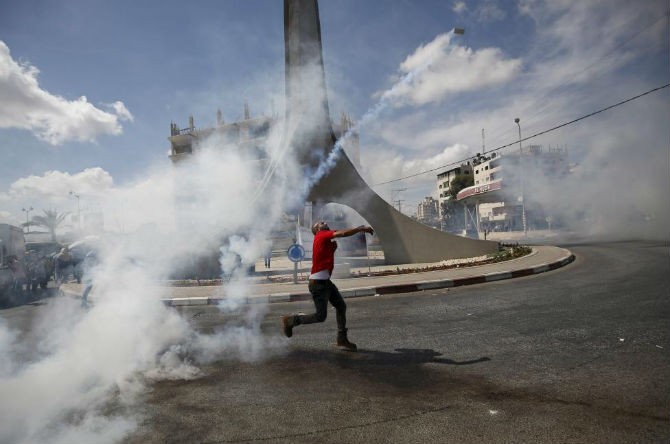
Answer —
28 224
452 221
452 210
50 220
459 182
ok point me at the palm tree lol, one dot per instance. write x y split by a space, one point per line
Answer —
28 224
51 220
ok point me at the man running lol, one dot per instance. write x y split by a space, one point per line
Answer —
321 287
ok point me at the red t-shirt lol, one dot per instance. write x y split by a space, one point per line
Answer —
323 251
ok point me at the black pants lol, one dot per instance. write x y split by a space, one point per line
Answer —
324 291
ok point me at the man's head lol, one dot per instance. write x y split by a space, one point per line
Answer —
320 225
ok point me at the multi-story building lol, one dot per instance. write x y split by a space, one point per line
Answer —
250 133
427 211
505 187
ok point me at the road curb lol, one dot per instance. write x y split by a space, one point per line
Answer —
385 289
369 291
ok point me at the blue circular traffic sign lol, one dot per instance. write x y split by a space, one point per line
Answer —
296 253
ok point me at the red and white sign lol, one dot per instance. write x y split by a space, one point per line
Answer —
479 189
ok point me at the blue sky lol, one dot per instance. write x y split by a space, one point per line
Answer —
143 64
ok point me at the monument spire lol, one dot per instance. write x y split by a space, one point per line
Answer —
307 114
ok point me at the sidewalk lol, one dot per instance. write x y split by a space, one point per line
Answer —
262 290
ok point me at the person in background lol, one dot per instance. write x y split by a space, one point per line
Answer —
63 265
89 262
19 275
267 257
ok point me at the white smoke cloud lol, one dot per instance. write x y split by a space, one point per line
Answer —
88 359
222 200
104 355
51 118
618 189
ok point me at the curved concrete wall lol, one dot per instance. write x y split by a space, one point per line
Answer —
403 239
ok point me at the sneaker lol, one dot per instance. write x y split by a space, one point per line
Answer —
343 342
346 345
287 323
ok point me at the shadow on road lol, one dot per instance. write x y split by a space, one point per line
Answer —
403 368
401 357
415 356
17 298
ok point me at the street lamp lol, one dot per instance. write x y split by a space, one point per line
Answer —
72 193
27 211
523 185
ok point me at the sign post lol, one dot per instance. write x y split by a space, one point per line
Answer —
295 253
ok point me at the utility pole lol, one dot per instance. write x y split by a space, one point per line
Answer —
27 211
523 180
72 193
396 193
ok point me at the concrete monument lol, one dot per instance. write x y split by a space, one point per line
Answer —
403 239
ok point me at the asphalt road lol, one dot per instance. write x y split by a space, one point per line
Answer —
580 354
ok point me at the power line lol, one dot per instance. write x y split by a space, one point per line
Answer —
529 137
600 59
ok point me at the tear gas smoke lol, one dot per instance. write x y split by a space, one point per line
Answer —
84 360
617 186
386 100
221 198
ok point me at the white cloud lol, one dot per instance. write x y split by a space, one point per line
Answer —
583 41
121 111
526 6
459 7
489 11
51 190
439 69
57 184
50 117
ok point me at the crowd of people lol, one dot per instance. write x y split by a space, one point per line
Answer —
34 270
30 272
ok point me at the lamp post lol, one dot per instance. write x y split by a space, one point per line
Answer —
27 211
72 193
523 185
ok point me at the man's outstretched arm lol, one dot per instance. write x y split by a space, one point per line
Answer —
351 231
